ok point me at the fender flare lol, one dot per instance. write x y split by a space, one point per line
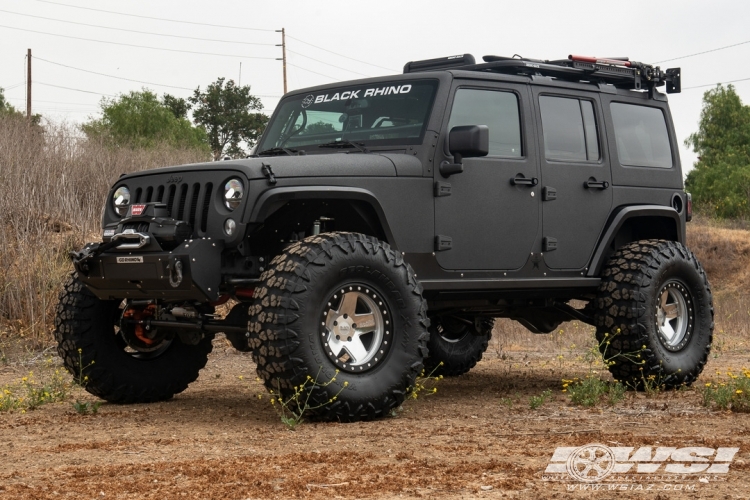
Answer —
273 199
620 217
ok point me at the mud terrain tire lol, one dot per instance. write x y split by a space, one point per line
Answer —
316 290
654 314
86 337
457 345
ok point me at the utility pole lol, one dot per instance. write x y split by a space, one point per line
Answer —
28 84
283 53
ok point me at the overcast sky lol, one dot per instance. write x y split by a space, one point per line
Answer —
330 41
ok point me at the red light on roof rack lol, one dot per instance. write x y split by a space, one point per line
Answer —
600 60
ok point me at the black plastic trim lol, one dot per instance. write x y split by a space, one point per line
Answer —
619 218
273 199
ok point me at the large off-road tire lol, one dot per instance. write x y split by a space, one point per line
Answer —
654 314
86 330
320 288
456 346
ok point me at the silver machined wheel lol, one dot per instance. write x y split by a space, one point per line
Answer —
674 315
355 328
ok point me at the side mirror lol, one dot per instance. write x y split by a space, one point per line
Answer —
465 141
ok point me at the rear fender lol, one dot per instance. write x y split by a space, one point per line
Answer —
642 222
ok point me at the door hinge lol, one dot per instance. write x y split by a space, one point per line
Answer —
443 243
549 193
442 189
549 244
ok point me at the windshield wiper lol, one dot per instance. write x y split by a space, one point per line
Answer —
278 151
343 143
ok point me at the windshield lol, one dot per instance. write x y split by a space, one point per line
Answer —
372 115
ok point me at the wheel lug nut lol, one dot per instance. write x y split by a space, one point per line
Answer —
354 325
338 337
349 339
345 316
335 323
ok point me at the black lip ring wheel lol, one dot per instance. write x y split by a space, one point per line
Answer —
356 328
675 318
654 314
118 372
456 345
342 315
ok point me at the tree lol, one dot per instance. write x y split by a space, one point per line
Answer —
5 106
230 115
720 181
140 119
177 105
8 110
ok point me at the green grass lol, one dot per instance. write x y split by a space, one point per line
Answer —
732 394
592 391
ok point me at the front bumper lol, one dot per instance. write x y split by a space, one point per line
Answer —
191 271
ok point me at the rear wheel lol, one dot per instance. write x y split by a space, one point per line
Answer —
654 314
342 315
122 365
456 345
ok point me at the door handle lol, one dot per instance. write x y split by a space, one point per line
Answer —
594 184
520 180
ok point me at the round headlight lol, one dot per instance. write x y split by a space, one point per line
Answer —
233 191
121 200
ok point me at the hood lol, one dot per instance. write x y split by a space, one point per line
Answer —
325 165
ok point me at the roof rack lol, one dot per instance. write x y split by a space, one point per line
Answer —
618 71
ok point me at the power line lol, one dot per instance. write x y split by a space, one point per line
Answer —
154 18
327 64
129 79
54 102
136 31
15 85
704 52
311 71
111 76
335 53
713 84
137 46
70 88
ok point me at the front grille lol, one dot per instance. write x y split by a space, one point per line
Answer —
183 202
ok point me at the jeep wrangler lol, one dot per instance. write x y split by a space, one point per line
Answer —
381 225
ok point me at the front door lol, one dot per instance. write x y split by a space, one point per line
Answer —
576 178
487 219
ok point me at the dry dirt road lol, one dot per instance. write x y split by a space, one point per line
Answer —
477 437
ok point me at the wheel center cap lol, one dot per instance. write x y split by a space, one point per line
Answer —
343 329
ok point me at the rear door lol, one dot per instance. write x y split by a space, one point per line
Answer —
575 176
491 220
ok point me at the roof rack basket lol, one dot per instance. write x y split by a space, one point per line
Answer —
618 71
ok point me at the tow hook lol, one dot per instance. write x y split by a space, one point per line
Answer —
175 272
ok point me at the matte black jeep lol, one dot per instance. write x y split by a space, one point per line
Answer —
382 224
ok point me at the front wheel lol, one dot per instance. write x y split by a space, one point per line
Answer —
121 365
654 314
341 315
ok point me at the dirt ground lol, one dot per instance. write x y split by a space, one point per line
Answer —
477 437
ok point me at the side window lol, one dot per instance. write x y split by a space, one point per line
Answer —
641 136
569 128
496 109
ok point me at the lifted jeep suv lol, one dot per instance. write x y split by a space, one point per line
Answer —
382 224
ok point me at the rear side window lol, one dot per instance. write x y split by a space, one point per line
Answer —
641 135
498 110
569 128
